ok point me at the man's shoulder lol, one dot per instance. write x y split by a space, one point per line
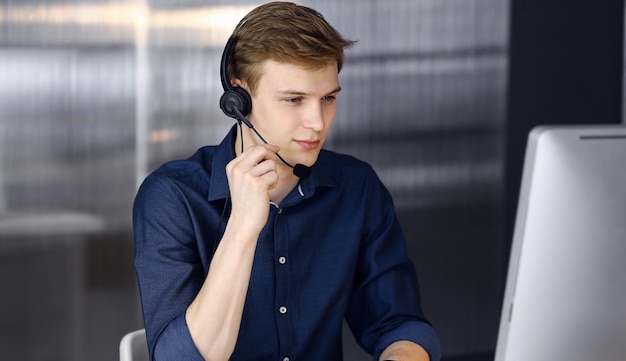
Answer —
188 170
346 170
340 162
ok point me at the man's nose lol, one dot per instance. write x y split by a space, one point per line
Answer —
314 117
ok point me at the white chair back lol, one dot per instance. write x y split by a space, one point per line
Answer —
134 347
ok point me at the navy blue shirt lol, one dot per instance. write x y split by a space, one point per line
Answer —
333 249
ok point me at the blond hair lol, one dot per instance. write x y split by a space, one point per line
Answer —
284 32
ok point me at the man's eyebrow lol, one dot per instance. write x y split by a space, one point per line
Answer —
298 92
336 90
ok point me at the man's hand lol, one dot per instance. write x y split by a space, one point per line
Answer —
250 177
404 351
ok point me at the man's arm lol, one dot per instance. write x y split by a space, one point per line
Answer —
404 351
214 316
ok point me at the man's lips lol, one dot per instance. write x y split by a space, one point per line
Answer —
308 144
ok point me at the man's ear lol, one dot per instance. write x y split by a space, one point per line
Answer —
237 82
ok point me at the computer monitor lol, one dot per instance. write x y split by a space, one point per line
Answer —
565 296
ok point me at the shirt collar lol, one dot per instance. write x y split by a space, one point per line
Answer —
218 187
225 152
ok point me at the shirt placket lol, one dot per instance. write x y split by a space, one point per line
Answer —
281 305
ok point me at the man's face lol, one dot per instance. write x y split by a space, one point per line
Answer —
294 108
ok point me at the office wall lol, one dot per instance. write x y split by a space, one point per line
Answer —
566 66
95 94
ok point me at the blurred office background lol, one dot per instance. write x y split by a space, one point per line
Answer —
438 96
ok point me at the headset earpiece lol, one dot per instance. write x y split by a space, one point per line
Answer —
236 103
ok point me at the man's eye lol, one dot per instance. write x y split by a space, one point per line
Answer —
293 100
329 98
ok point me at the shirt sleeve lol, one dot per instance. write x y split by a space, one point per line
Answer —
168 266
385 305
176 344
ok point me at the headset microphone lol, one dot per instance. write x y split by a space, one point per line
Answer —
237 103
301 171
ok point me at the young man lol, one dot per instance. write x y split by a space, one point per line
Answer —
239 258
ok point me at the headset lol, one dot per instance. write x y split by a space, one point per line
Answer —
237 103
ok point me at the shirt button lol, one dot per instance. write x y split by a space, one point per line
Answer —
282 309
282 260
